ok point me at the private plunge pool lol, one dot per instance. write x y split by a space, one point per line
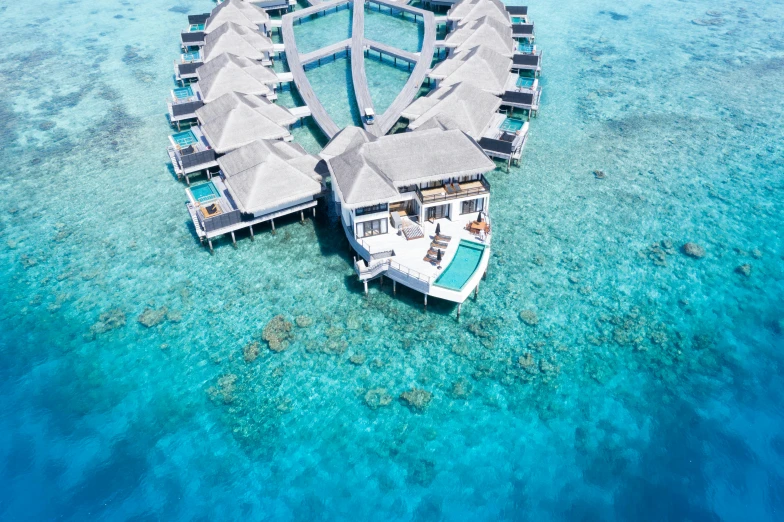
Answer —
204 192
462 266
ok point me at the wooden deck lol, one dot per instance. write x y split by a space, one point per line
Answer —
204 235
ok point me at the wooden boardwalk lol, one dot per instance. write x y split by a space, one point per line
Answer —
391 51
356 46
320 115
386 121
318 54
358 76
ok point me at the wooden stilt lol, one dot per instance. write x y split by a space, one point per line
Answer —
252 237
233 239
314 212
394 287
476 291
458 310
381 281
366 288
302 216
209 242
425 302
273 226
188 180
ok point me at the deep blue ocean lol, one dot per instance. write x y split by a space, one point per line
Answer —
600 374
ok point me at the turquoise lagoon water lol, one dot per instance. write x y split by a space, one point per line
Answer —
646 387
322 30
395 30
385 80
332 84
462 266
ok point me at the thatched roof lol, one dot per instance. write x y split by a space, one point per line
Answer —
348 138
487 32
462 106
481 67
238 12
237 40
234 120
467 11
262 179
228 73
373 172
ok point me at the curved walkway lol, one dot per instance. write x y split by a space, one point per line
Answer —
357 46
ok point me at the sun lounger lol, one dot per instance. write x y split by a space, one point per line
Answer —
443 238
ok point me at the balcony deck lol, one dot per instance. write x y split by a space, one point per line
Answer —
452 191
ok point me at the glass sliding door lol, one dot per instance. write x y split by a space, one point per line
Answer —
437 212
374 227
472 205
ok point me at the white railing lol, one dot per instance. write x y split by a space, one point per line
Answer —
375 268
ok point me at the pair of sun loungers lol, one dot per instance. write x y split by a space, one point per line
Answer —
440 242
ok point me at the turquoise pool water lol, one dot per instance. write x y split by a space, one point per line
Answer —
183 92
512 125
196 27
204 192
184 138
525 46
525 81
641 385
191 56
462 266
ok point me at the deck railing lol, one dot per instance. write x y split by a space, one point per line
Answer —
373 269
454 195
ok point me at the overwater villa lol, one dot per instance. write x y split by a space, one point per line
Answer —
480 66
235 119
229 73
183 103
474 112
486 32
191 153
194 35
237 40
414 207
257 183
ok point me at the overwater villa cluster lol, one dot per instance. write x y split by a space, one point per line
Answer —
409 185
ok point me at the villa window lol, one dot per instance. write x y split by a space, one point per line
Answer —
373 227
373 209
472 205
